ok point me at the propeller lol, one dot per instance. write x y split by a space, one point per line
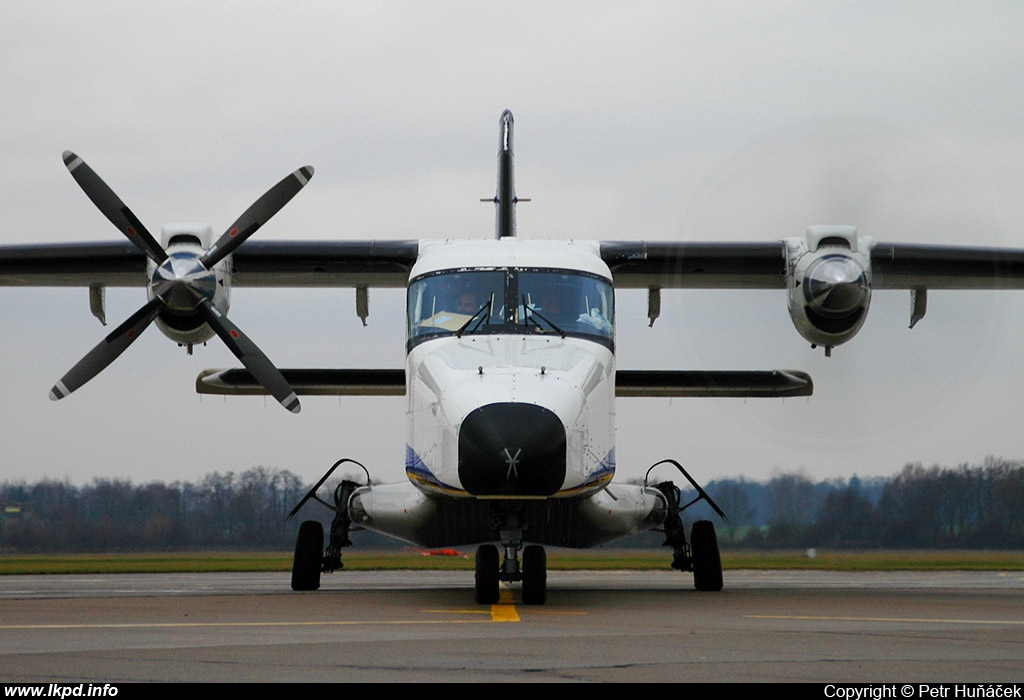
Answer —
109 349
113 208
182 284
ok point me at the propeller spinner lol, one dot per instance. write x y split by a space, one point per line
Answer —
183 283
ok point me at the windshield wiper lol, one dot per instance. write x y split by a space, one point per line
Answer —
477 317
529 313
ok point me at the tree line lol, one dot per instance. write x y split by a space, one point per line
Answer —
967 506
221 511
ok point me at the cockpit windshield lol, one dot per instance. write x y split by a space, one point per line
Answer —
448 302
519 301
569 302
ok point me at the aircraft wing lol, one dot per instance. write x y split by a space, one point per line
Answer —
634 265
255 264
114 264
828 275
377 263
188 300
904 266
679 265
695 265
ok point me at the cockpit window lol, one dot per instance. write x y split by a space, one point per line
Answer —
519 301
569 302
446 303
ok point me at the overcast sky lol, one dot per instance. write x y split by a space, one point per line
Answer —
662 121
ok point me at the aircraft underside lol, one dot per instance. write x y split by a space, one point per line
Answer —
401 511
518 526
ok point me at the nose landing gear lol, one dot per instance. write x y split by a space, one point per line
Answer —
533 573
487 574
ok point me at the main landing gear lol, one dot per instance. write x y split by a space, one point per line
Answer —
311 559
533 573
700 555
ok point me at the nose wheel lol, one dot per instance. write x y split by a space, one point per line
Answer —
535 575
490 572
487 574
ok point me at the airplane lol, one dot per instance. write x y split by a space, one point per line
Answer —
510 375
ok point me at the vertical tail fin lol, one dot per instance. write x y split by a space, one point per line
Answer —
505 198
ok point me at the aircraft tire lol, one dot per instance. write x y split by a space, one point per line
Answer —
487 574
707 560
309 552
535 575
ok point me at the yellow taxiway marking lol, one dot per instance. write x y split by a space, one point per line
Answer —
825 618
504 610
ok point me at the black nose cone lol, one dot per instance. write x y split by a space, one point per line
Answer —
512 449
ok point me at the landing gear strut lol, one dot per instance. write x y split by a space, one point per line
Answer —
701 554
311 559
534 570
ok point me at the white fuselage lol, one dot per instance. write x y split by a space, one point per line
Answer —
527 385
450 378
510 379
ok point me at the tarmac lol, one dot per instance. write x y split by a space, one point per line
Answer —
416 626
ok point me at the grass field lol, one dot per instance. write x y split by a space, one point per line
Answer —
557 560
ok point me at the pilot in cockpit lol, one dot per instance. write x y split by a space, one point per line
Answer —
467 302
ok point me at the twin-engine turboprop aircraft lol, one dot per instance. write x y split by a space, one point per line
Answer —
510 369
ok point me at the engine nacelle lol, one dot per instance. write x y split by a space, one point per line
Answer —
179 320
828 281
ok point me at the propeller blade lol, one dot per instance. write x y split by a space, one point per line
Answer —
252 357
113 208
109 349
257 215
